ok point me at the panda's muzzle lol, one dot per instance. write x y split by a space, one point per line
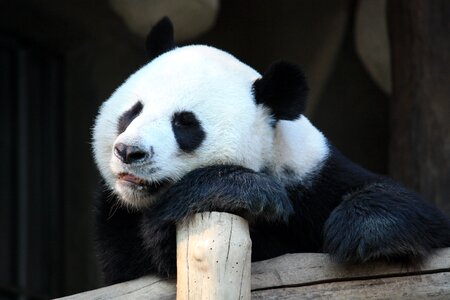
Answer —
131 154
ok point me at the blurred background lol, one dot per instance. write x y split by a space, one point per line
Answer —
380 91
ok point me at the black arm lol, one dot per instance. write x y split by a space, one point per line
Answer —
233 189
385 221
225 188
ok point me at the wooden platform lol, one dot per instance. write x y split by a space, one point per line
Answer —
313 276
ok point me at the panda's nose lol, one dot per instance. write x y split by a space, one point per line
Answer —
129 154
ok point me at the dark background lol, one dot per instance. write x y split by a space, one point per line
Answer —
59 60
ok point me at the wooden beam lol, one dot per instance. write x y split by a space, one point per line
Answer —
313 268
314 275
428 286
148 287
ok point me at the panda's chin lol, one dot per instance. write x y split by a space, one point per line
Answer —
137 192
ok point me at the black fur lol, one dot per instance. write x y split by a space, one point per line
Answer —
227 188
356 216
127 117
160 39
118 241
187 130
384 221
283 89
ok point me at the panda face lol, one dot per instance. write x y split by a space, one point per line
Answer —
190 107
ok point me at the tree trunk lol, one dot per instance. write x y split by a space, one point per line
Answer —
420 107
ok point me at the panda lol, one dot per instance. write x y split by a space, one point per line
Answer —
197 130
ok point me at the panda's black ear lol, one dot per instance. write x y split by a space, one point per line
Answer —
283 89
160 38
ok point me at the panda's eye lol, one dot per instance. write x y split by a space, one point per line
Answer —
188 131
185 119
127 117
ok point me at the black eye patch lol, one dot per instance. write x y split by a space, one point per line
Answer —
127 117
187 130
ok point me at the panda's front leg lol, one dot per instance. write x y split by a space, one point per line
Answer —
384 221
224 188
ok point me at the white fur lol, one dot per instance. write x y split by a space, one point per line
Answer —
299 147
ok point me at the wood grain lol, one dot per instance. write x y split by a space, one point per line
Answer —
314 276
310 268
429 286
148 287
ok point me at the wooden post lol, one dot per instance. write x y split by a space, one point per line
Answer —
213 257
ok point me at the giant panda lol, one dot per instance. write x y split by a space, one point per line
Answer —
197 130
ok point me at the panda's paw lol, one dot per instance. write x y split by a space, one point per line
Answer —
226 188
384 222
356 246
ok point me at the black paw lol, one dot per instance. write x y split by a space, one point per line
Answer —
386 222
224 188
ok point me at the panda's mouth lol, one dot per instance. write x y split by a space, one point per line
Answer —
142 184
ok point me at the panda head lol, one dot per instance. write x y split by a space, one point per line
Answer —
190 107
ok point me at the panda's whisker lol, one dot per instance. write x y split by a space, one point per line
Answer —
114 208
